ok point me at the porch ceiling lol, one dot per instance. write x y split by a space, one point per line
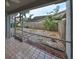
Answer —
27 4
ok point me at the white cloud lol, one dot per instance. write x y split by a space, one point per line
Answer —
44 10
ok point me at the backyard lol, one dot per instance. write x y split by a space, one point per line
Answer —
45 32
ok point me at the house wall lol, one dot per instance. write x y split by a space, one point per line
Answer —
68 29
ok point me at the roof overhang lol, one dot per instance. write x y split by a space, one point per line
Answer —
28 4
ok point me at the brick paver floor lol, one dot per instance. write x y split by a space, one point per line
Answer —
20 50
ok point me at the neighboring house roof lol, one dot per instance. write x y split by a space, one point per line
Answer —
36 19
40 18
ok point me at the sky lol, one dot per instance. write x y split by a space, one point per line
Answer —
44 10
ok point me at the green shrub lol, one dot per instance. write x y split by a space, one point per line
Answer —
50 21
50 24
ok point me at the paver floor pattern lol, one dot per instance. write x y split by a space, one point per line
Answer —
20 50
